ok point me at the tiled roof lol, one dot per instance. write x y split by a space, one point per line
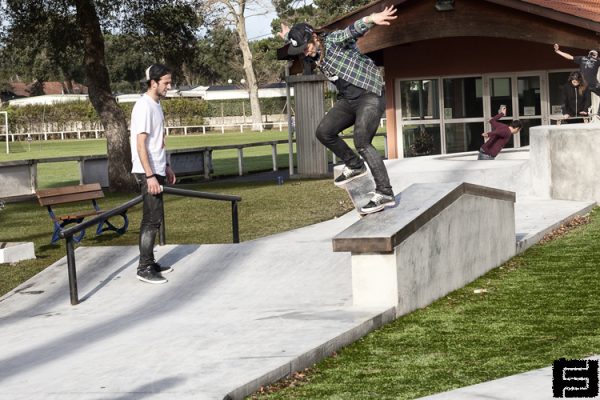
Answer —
586 9
21 89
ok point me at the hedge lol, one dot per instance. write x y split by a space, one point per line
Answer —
81 114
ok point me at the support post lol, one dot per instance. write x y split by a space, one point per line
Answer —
234 222
274 155
311 154
72 271
240 161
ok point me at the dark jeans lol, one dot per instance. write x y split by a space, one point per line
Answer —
364 113
151 220
484 156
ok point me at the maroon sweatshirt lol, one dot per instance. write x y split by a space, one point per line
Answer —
499 136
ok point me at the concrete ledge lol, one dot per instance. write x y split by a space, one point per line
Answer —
565 161
188 162
521 153
11 252
439 238
94 169
417 205
18 178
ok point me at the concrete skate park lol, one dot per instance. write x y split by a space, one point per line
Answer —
234 317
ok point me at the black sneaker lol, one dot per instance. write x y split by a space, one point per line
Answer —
349 174
159 268
148 275
377 203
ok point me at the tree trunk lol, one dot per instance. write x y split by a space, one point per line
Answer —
250 76
111 115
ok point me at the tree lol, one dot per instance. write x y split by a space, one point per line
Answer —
76 25
235 12
218 58
126 58
268 69
167 30
316 12
111 115
42 54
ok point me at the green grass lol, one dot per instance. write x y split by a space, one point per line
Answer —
225 162
539 306
206 221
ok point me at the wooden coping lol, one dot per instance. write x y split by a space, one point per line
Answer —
417 205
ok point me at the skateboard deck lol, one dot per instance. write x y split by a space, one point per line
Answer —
358 190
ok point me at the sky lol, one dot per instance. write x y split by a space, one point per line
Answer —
259 27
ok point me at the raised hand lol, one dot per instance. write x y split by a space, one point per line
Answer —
284 30
384 17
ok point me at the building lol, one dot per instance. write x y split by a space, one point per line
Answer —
54 92
449 65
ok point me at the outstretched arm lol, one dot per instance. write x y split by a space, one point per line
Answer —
562 53
382 18
361 26
284 31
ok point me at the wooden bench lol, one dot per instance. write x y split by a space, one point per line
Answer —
76 194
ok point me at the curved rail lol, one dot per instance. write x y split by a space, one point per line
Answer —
68 233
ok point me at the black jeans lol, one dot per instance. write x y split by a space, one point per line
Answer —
484 156
151 219
364 113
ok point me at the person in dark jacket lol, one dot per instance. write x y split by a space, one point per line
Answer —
499 136
576 98
588 67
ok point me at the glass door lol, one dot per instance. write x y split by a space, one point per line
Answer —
529 105
463 114
522 95
420 117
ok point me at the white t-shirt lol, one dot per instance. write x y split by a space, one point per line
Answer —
147 116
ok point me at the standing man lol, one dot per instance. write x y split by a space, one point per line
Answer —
150 167
498 137
361 98
588 66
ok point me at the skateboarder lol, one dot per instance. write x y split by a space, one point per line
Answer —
361 98
498 137
588 66
150 167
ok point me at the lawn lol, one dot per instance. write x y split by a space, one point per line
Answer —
225 162
538 307
206 221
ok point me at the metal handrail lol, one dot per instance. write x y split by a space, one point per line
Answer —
68 233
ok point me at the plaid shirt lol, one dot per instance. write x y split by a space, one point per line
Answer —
343 59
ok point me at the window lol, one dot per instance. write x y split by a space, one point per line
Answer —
420 99
529 96
556 81
500 94
463 98
421 140
464 137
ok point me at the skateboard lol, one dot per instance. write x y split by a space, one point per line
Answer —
358 189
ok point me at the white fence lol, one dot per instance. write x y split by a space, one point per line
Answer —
184 129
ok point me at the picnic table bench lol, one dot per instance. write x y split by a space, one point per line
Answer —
76 194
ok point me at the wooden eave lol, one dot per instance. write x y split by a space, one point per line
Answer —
530 22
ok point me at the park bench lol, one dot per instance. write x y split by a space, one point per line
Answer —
76 194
